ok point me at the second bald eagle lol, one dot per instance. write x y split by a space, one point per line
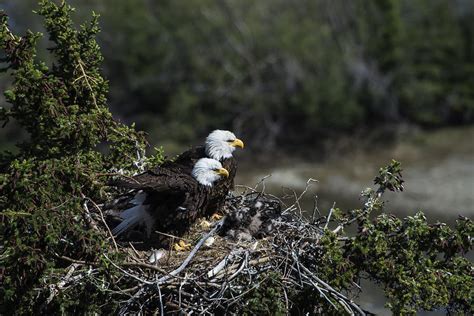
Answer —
167 199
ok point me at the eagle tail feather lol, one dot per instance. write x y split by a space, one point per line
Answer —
134 216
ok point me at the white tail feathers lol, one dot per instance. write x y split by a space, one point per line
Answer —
134 216
139 198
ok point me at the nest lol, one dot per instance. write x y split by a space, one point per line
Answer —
258 237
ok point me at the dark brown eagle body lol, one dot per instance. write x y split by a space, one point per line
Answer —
173 197
187 160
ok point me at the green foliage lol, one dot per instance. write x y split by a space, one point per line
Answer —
267 298
63 108
390 177
420 265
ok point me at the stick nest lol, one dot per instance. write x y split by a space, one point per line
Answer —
260 243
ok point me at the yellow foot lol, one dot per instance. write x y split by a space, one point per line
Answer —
181 246
216 216
205 224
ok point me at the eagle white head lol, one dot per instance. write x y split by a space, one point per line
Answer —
207 171
221 144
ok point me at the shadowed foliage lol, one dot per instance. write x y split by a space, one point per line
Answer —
72 140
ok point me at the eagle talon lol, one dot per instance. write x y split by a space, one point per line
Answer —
216 216
181 246
205 224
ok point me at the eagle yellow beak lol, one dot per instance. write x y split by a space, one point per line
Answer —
222 172
237 143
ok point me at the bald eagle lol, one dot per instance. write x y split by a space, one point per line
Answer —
166 198
219 145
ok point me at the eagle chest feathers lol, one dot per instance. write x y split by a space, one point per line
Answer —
188 159
222 187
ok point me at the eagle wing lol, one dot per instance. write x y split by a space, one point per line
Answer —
159 179
188 159
164 176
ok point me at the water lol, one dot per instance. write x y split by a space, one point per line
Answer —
438 169
438 173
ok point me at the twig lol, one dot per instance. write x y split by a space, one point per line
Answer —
86 79
262 182
333 291
90 221
221 265
315 209
329 216
109 174
77 261
55 288
143 265
192 253
134 250
181 290
171 236
104 222
161 300
127 273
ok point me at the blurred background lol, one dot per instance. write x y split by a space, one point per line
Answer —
316 88
328 89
